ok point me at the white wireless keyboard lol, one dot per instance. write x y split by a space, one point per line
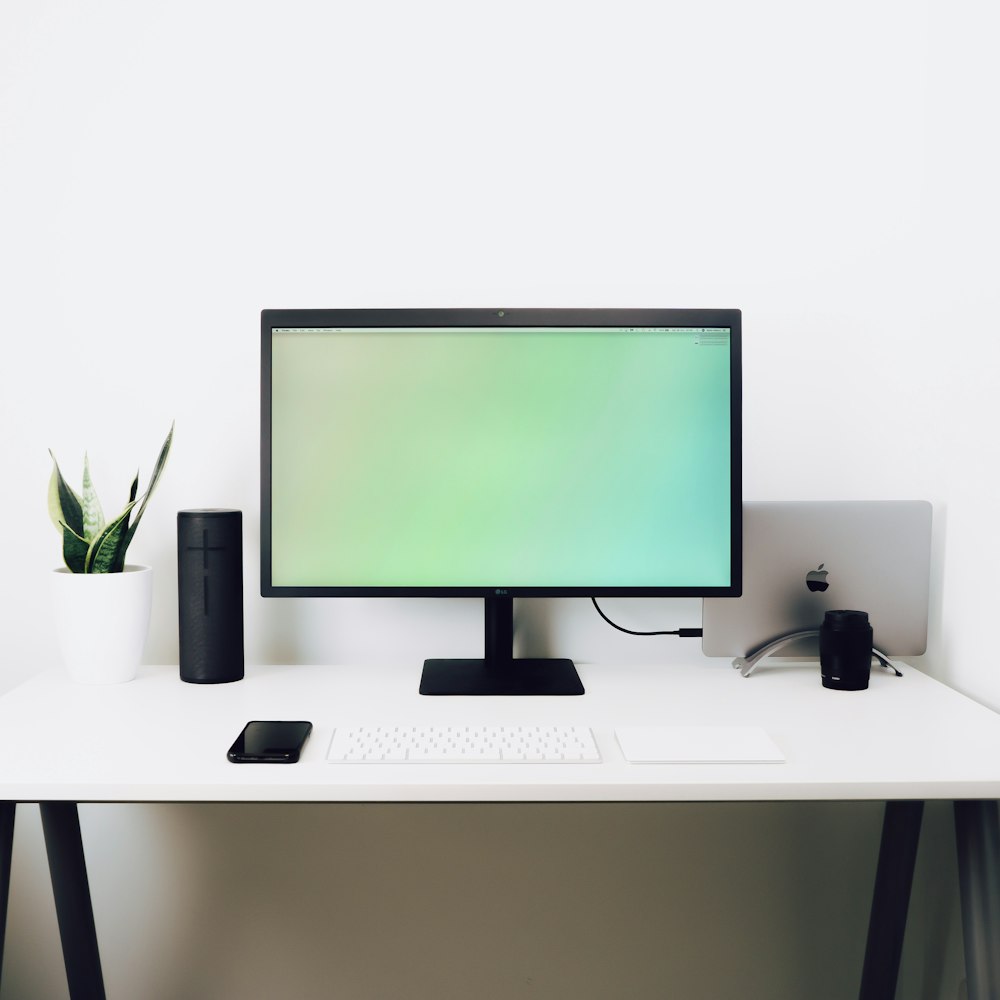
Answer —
401 744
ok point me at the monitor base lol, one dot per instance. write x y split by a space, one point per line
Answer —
529 676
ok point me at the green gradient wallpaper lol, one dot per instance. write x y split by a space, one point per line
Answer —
500 458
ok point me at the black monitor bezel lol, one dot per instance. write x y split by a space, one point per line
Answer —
502 318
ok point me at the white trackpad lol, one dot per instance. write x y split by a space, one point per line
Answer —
697 745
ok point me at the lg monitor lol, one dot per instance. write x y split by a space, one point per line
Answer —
500 454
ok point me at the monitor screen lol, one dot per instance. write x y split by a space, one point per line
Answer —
500 452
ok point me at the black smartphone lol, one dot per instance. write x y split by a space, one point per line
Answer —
270 743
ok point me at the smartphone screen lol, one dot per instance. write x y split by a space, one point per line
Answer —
270 743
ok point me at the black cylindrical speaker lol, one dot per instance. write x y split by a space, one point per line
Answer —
845 650
210 595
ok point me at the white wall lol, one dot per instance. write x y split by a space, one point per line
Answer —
167 170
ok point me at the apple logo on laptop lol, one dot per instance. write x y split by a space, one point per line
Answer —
816 579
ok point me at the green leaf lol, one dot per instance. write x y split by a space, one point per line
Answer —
107 552
74 550
93 516
160 463
65 507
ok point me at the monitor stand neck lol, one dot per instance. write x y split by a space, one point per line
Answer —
499 672
499 629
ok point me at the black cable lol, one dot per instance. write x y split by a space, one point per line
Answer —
684 633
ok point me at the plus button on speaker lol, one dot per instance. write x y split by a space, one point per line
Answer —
210 595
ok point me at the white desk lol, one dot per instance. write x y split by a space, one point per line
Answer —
156 739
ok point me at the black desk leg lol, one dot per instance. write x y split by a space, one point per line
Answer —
893 881
977 839
6 848
64 846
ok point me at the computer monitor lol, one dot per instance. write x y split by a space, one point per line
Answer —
501 454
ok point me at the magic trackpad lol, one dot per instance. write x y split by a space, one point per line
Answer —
697 745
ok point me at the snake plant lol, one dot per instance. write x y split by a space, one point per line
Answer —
90 543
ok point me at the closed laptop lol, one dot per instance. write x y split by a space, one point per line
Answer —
804 558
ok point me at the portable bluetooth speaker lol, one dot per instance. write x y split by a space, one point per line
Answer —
845 650
210 595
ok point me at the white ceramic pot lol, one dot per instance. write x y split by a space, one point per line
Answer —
101 621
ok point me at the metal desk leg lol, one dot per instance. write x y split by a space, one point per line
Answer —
64 846
6 848
893 881
977 839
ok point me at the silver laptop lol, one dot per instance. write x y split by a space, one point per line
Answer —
803 558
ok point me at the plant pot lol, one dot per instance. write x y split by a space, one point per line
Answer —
101 621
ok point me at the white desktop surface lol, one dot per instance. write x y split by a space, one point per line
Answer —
157 739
